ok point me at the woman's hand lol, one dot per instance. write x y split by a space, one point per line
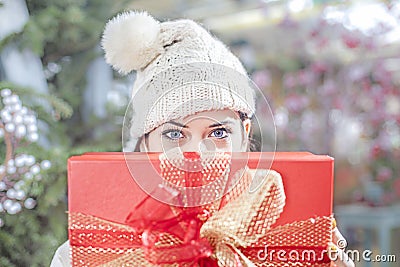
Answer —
339 257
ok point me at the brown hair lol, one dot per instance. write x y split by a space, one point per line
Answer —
253 143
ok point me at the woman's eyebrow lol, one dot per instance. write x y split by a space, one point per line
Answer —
221 123
177 124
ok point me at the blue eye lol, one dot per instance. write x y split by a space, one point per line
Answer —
173 134
219 133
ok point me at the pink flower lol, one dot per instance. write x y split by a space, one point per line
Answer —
376 151
319 67
289 81
384 174
262 78
306 77
351 41
295 103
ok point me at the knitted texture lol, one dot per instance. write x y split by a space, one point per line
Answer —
193 71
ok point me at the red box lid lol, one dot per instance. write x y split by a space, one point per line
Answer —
101 184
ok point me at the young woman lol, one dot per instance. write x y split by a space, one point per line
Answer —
191 93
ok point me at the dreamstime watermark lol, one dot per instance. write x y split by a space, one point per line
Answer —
317 255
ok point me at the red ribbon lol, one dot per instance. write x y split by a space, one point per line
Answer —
193 250
148 222
185 225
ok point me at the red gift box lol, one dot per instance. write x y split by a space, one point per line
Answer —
101 184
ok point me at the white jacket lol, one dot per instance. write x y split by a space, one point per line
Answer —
61 256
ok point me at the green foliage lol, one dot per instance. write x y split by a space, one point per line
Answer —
65 33
60 107
61 28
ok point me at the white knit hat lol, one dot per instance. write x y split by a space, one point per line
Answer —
181 70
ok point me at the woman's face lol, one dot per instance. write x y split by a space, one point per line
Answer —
221 130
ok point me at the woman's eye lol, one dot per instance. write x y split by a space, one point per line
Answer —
219 133
174 135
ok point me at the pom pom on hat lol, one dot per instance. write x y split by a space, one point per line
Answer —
131 41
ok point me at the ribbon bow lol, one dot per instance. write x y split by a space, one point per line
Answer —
239 234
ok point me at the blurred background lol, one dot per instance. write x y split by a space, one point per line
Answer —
330 70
